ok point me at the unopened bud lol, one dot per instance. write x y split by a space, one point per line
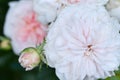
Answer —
112 4
5 44
29 58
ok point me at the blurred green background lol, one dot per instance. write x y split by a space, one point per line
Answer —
10 69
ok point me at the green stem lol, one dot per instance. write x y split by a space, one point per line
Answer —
41 46
40 51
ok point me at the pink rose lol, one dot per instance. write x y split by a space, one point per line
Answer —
96 2
22 27
73 1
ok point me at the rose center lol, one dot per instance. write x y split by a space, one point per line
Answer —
88 51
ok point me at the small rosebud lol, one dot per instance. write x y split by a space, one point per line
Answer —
5 43
29 58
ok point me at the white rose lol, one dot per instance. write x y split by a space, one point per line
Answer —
48 10
22 27
83 43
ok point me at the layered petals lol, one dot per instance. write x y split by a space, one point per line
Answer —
22 27
83 44
48 10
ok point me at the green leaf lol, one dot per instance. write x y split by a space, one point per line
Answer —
47 73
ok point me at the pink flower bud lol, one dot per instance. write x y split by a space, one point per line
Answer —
29 58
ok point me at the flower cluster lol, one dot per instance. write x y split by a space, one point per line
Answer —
79 38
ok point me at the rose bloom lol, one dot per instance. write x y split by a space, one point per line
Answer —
83 43
97 2
48 10
29 58
113 8
22 27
